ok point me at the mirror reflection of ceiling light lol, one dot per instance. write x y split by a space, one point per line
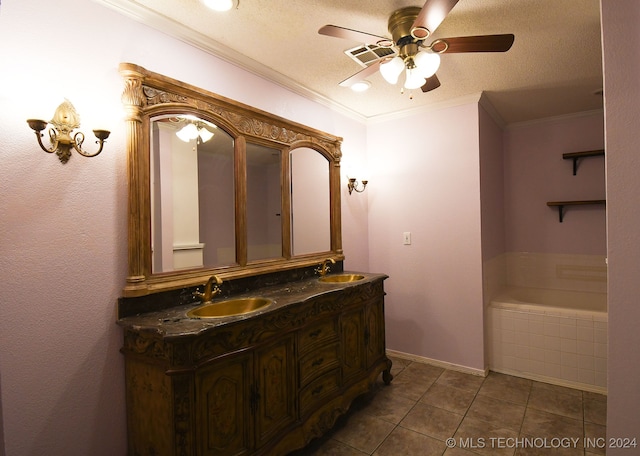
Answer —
192 131
221 5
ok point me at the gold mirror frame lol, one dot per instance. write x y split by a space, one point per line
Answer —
147 94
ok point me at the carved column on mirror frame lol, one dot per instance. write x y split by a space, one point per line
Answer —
133 101
334 184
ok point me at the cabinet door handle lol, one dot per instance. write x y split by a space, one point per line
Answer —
314 334
317 362
317 390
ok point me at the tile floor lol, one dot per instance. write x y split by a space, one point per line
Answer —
497 415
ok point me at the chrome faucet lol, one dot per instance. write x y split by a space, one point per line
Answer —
323 268
210 290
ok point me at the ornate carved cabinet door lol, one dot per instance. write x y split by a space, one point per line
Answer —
374 335
352 329
223 407
273 402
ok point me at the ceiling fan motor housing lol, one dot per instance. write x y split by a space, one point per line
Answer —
400 24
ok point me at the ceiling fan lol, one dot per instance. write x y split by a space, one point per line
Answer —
409 28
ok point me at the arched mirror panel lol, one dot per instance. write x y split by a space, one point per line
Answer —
192 194
310 202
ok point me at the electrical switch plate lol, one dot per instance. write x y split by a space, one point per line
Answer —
406 238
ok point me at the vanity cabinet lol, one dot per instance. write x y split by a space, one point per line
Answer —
245 393
263 384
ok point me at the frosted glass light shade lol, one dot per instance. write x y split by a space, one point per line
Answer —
205 134
391 69
427 63
188 132
414 79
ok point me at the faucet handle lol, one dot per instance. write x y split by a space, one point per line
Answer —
197 293
210 290
324 267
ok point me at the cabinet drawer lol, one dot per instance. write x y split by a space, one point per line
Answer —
318 362
318 390
320 332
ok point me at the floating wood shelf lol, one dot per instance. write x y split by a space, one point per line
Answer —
561 204
575 156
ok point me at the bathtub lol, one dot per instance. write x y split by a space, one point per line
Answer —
555 336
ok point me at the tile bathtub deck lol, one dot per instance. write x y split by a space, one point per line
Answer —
498 415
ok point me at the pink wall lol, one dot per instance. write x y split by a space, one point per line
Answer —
622 98
427 183
491 186
63 228
536 173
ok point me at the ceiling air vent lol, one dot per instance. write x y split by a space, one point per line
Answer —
367 54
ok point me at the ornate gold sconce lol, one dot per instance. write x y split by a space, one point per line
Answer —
64 121
353 185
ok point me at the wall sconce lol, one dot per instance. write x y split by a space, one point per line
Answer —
64 121
353 185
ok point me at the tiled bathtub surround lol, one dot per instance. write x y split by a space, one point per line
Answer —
569 350
563 346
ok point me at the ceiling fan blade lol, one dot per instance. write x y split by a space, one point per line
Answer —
483 43
432 14
353 35
432 83
360 75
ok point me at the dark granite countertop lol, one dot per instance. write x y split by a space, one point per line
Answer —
174 322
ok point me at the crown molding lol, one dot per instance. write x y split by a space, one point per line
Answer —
562 118
179 31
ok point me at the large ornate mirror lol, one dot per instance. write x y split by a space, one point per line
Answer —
218 187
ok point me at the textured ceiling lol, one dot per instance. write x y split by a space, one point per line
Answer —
554 67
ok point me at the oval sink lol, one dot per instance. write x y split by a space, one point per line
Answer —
341 278
229 307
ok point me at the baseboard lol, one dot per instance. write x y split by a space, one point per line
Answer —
485 372
435 362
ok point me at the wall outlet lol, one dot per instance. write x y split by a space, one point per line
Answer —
406 238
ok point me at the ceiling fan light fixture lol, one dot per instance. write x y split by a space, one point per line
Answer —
391 69
427 63
414 79
191 131
188 132
220 5
205 135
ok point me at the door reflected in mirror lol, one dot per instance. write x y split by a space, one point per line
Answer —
264 203
310 202
192 194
